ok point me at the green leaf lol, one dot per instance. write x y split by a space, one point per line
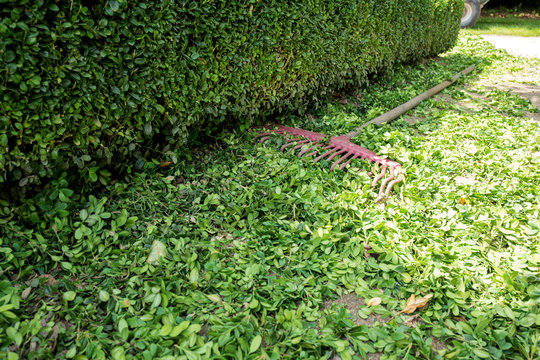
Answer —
255 344
83 214
178 329
92 174
147 129
35 81
122 325
194 276
481 354
118 353
6 307
104 295
69 295
406 278
253 304
71 352
214 298
14 335
165 330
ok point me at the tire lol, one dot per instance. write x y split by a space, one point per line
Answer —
471 13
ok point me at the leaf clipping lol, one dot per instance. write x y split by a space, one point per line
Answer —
414 303
374 301
157 251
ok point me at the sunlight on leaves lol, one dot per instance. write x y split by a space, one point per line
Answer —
157 251
414 303
374 301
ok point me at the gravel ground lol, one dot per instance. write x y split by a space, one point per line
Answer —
516 45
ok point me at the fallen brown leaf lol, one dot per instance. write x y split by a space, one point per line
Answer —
26 292
414 303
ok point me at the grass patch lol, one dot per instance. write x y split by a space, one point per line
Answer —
509 25
241 251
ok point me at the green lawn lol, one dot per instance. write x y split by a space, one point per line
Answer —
240 251
505 26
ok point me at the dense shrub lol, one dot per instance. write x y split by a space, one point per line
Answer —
85 83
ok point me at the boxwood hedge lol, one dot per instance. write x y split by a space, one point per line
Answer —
89 83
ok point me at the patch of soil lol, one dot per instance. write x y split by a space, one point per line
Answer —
352 303
437 344
413 321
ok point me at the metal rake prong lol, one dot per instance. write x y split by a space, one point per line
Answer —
302 144
338 161
386 181
400 178
342 166
316 151
308 149
268 133
332 150
336 154
292 143
380 176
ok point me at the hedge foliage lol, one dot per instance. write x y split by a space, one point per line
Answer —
85 83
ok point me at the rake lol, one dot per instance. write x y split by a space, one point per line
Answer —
343 150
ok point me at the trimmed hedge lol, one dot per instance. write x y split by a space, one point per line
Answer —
89 83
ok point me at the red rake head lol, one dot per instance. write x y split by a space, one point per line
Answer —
339 147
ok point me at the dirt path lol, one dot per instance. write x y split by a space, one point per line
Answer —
516 45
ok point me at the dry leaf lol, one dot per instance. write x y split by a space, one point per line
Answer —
374 302
26 292
414 303
463 201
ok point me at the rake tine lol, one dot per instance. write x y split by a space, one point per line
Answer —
293 142
265 134
336 154
386 181
391 185
380 176
308 149
342 166
301 144
290 142
325 154
338 161
316 151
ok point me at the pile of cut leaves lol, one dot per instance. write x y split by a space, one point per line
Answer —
244 252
